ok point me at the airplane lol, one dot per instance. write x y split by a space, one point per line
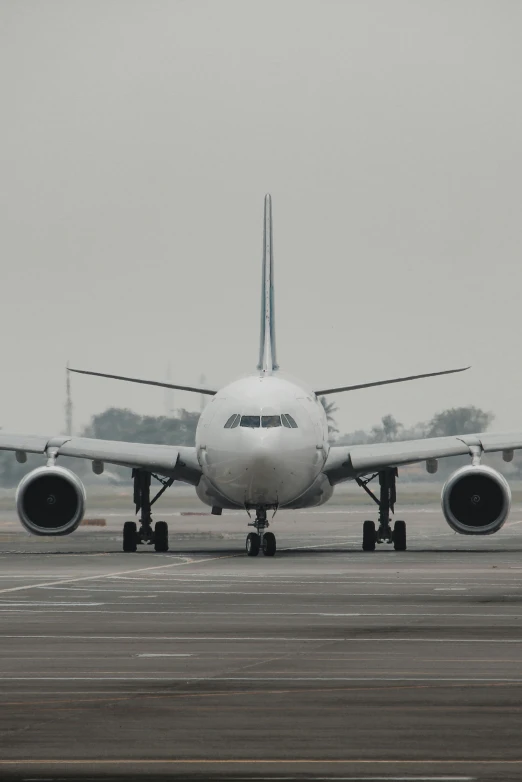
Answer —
262 445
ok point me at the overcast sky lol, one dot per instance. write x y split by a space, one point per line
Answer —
137 141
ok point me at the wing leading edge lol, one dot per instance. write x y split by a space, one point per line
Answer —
179 462
345 462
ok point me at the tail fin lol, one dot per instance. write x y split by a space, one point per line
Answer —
267 347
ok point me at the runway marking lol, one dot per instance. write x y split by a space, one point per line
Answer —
117 573
165 654
273 614
218 592
46 605
258 639
256 761
211 678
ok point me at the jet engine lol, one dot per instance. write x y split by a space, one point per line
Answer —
476 500
50 501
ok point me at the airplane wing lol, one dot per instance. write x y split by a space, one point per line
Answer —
173 461
349 461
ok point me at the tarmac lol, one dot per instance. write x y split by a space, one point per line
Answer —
323 662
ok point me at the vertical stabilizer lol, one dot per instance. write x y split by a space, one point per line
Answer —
267 348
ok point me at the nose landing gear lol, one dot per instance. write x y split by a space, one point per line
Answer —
386 503
266 541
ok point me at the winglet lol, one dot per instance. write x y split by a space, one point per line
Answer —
267 346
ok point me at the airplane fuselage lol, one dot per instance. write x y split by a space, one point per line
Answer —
262 442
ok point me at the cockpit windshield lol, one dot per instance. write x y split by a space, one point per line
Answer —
257 421
270 421
251 421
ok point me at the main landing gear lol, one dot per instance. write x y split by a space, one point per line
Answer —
386 503
145 534
260 539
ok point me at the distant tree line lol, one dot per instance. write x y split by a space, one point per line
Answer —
122 424
456 420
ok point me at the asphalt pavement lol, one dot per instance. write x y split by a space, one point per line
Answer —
323 662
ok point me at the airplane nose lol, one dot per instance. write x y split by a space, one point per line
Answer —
263 460
267 472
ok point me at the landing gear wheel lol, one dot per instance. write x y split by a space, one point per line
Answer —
368 536
399 536
252 544
130 536
161 536
269 544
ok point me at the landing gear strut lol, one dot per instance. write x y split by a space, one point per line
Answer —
145 534
260 539
386 503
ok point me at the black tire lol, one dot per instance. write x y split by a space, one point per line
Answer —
161 536
399 536
130 536
368 536
269 544
252 544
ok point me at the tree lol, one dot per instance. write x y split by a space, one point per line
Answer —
389 430
123 424
330 408
459 420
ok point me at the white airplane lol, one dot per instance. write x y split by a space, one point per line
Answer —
261 445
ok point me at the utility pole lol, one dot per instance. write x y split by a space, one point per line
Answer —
68 402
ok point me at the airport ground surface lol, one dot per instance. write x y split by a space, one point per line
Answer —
321 663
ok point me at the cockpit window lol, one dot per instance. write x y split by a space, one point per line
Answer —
270 421
288 421
251 421
233 421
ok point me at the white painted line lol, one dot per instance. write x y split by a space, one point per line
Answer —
269 639
165 654
46 605
210 678
367 615
116 574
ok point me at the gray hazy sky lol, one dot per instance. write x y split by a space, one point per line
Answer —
137 140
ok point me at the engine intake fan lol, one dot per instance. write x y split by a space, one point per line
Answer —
50 501
476 500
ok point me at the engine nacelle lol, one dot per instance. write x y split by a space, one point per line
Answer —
476 500
50 501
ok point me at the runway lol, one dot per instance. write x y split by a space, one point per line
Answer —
322 663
